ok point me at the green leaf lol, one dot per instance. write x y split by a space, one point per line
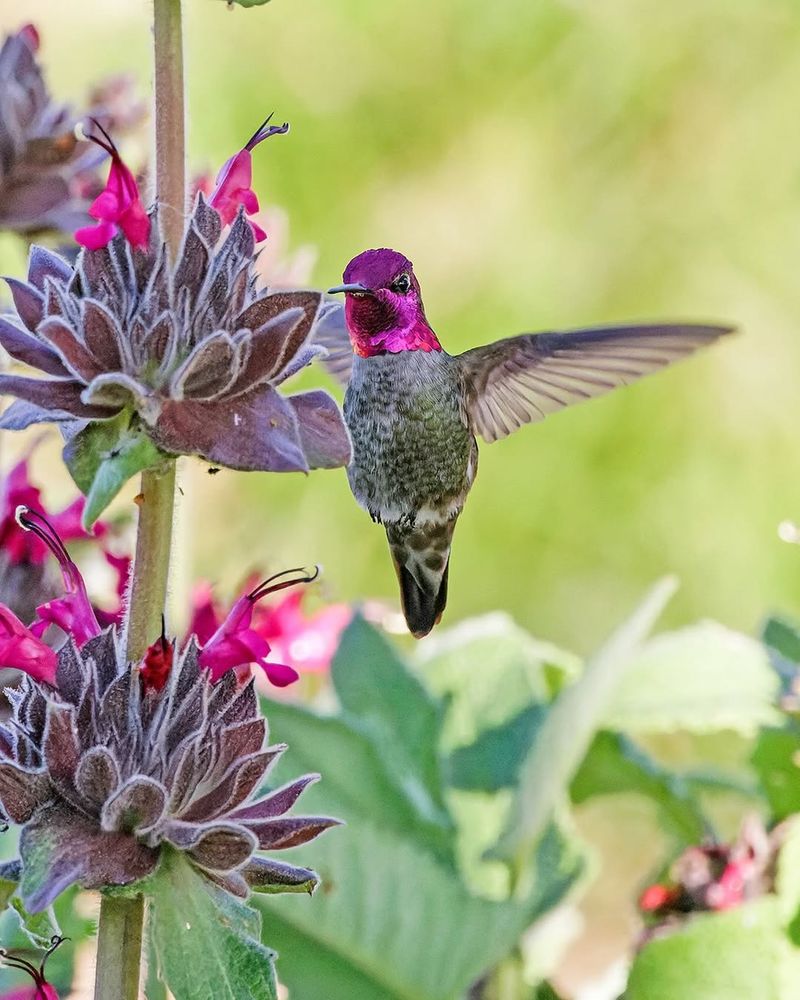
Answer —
702 678
615 764
489 670
356 783
207 942
247 3
782 636
104 456
390 923
39 928
565 735
375 686
775 760
494 760
724 956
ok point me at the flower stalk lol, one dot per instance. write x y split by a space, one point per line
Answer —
170 120
119 948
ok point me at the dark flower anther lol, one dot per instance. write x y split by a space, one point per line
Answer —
43 990
169 359
118 207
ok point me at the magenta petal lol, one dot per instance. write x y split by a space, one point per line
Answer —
258 233
279 674
73 613
96 237
21 650
249 201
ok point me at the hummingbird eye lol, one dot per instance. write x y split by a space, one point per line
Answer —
401 284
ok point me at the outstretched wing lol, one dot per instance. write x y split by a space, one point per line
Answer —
331 333
522 379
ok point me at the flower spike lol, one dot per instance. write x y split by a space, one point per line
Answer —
119 206
44 991
233 189
73 612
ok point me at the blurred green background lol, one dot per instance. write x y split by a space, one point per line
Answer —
545 165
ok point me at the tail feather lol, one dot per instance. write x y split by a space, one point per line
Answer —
422 561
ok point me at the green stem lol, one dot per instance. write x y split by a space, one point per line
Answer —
151 564
170 119
119 948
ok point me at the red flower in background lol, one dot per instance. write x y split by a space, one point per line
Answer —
21 545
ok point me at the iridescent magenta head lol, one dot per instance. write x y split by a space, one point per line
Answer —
383 305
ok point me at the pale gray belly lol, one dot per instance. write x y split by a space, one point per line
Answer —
413 457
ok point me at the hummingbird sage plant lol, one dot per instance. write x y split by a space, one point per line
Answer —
136 763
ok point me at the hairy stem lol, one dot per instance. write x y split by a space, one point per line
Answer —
170 121
119 948
151 564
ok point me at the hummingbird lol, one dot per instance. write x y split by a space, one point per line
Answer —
414 411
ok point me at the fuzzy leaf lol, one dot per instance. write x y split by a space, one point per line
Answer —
615 764
702 678
376 687
389 923
566 734
775 759
104 456
360 786
39 928
490 670
205 939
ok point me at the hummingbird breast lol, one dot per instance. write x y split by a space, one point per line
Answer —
414 457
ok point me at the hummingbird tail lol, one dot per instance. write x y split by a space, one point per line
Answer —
422 561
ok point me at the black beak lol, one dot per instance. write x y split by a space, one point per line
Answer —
356 288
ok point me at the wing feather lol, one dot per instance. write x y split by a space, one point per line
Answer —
523 379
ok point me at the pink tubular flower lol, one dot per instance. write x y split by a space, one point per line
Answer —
233 186
20 649
73 612
41 990
236 644
118 207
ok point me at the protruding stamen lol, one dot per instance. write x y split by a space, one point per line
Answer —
32 520
269 587
264 131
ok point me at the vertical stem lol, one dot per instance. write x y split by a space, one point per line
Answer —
170 120
119 948
151 564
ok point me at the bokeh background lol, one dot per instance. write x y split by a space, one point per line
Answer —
545 165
